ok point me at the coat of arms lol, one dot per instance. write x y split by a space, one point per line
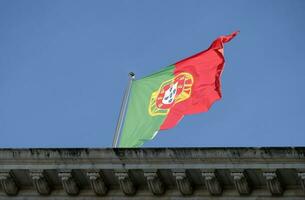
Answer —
170 92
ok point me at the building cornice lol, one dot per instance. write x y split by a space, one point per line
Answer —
89 173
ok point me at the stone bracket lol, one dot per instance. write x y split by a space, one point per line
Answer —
273 183
40 182
183 183
154 182
8 183
241 183
302 180
212 183
126 183
97 183
69 183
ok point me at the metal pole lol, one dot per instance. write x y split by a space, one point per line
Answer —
123 111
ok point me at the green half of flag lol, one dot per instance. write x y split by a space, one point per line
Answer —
140 124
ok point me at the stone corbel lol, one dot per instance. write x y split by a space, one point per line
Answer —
302 179
241 183
183 182
69 183
211 182
126 183
273 183
155 184
97 183
8 183
40 182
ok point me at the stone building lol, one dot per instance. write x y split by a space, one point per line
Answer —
153 173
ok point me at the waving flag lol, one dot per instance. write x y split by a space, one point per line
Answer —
159 101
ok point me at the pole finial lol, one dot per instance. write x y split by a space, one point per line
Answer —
132 75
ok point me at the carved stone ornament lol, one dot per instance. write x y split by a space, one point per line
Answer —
155 184
8 183
125 182
97 183
241 183
273 183
302 180
40 182
69 183
212 183
183 183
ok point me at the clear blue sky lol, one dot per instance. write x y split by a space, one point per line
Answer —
64 66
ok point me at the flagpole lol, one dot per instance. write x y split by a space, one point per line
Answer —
122 111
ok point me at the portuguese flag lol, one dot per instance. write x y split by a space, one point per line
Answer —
159 101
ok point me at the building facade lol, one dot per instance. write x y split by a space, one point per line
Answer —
153 173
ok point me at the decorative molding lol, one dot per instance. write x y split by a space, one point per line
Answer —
183 183
302 180
211 182
8 183
97 183
125 182
273 183
146 172
69 183
40 182
241 183
154 182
